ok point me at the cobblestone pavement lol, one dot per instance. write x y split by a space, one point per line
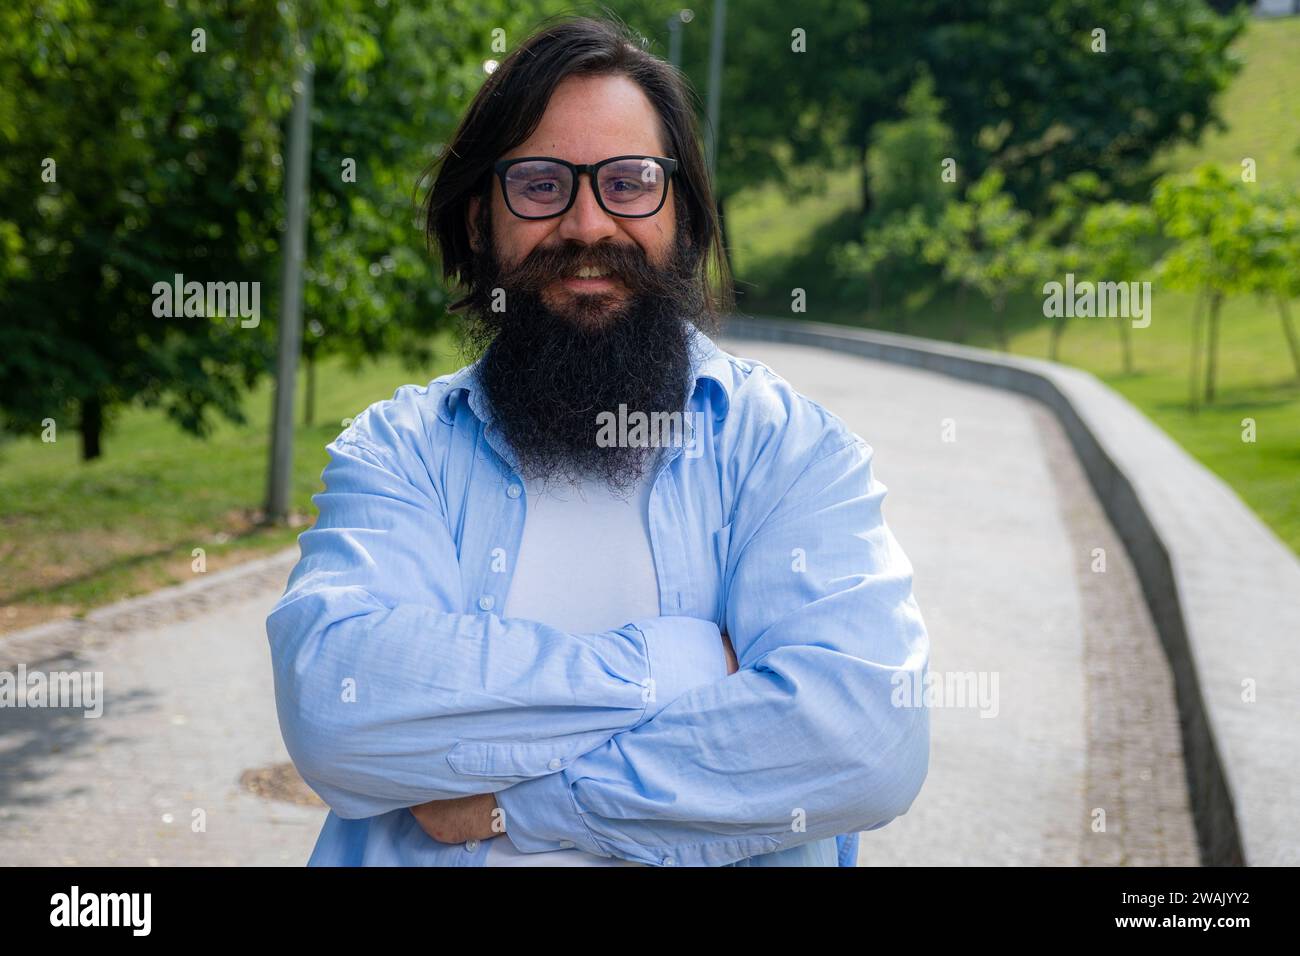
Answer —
183 766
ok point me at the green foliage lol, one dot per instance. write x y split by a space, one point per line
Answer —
1023 89
1203 212
1028 90
170 161
163 165
906 158
1116 237
987 243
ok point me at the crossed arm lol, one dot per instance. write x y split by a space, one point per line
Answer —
388 698
628 743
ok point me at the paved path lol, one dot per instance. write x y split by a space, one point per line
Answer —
1001 529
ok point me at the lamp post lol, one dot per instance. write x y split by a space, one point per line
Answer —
715 81
675 35
280 482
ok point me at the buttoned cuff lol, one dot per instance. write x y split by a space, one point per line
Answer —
540 815
684 653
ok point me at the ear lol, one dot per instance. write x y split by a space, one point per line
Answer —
471 223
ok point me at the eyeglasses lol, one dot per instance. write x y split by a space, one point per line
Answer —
541 187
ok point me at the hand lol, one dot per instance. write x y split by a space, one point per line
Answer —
459 819
732 665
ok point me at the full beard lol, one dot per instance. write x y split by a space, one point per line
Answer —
549 374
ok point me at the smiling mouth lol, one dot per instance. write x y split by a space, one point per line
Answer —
590 279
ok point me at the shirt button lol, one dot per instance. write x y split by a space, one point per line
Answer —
471 846
555 763
486 602
514 491
669 861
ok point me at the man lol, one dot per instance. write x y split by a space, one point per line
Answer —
519 634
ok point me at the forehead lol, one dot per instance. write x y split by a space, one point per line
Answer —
590 118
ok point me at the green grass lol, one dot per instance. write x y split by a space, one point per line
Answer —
1262 109
77 535
764 230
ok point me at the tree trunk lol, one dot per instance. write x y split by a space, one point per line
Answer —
1212 354
1193 394
1000 323
309 405
1285 310
865 197
91 427
1054 343
1126 345
959 329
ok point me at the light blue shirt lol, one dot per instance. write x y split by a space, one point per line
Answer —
397 682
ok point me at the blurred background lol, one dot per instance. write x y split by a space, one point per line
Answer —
917 166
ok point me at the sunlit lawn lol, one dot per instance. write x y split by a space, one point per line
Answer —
74 535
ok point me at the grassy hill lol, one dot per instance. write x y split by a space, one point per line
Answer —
777 248
1261 108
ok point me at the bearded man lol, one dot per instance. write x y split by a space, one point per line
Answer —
511 641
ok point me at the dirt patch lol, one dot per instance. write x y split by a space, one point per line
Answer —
279 781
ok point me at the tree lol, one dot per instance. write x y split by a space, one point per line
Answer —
165 122
985 242
1059 236
1274 236
1114 238
907 158
1205 213
129 158
1032 88
1024 89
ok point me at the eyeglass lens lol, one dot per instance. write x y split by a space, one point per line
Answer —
628 187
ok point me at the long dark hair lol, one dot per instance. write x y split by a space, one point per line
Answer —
509 107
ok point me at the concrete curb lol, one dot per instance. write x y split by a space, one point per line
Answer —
206 593
1223 590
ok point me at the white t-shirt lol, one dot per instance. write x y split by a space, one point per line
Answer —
584 565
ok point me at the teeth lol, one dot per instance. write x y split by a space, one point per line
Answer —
589 272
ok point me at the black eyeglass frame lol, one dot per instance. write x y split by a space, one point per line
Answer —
592 170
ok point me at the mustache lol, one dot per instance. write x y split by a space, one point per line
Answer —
626 262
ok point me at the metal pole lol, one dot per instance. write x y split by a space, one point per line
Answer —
281 471
715 82
675 40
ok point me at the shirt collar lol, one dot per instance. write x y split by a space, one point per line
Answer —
711 364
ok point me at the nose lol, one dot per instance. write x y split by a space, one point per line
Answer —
585 221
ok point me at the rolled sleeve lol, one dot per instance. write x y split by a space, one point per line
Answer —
541 815
683 653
